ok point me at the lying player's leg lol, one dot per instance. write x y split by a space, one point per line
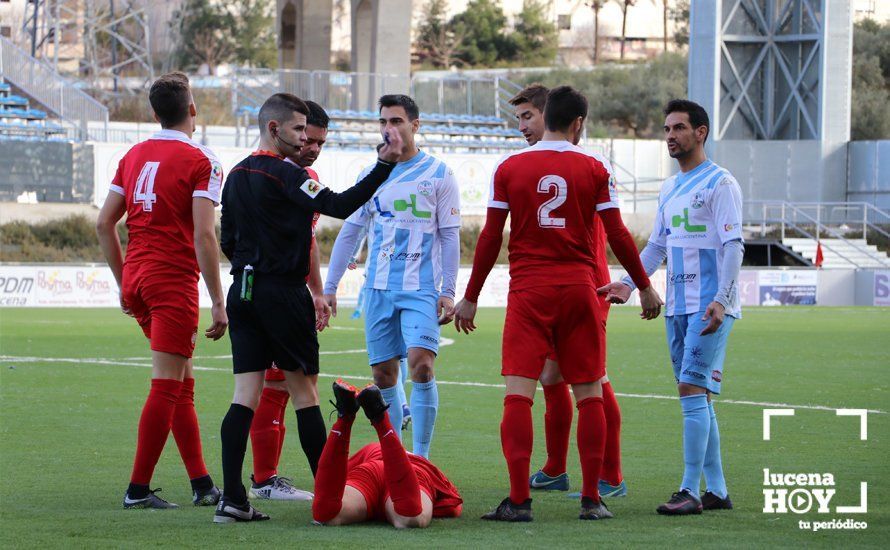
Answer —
557 430
405 506
336 503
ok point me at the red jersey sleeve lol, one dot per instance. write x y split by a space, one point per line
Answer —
208 177
117 184
498 196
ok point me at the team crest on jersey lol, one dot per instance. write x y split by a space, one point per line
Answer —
312 187
698 200
425 188
387 252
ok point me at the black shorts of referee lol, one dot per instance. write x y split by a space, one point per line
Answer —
277 324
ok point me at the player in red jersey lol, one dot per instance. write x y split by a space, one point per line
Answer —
268 427
381 482
528 106
553 190
168 186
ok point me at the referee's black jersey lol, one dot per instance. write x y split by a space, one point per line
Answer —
267 209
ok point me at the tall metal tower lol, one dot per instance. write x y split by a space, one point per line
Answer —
773 69
105 42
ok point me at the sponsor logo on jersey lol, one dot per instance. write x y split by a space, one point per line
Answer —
693 374
455 211
698 200
402 205
728 227
696 352
429 339
681 278
425 188
677 221
216 170
312 187
717 376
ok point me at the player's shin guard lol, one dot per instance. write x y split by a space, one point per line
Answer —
330 480
517 438
401 481
557 427
611 473
187 432
696 426
713 466
392 396
591 444
154 428
310 424
233 436
264 433
424 407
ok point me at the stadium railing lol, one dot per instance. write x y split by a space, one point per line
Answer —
73 107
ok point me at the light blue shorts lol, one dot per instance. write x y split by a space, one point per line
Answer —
697 359
396 320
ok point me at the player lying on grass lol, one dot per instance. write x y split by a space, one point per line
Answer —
381 482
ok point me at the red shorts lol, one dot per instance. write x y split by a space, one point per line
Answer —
274 374
165 303
567 319
551 355
365 473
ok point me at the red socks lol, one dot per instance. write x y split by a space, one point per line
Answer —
187 433
517 438
330 480
154 427
557 427
267 433
401 481
611 473
591 443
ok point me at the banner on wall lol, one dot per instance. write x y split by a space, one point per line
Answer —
94 286
780 288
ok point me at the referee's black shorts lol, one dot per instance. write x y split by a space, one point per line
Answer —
278 325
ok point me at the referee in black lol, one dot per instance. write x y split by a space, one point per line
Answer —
267 209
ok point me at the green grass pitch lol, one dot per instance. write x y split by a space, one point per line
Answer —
72 383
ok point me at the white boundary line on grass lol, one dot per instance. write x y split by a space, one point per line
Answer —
130 363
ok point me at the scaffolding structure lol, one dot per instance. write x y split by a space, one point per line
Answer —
102 42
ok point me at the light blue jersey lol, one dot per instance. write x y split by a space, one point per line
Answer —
403 218
698 211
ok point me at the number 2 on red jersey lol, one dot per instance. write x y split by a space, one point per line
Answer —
546 185
145 186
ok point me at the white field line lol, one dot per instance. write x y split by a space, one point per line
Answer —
146 364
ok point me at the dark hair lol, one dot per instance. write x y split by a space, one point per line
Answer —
564 105
170 98
698 117
317 115
280 107
536 94
400 100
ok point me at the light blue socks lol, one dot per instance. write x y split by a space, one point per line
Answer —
696 425
713 467
391 396
424 405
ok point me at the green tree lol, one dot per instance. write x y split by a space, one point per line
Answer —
253 33
204 34
536 37
436 42
870 117
485 42
679 14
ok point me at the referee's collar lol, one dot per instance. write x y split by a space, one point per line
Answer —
264 153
